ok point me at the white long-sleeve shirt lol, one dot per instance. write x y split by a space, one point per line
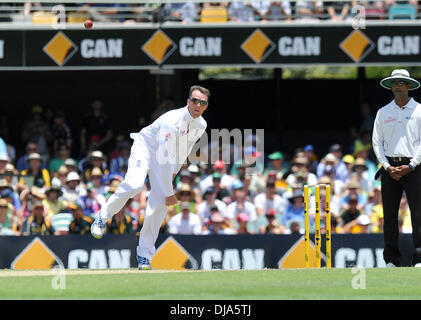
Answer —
397 132
169 140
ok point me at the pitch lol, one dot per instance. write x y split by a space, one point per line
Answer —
268 284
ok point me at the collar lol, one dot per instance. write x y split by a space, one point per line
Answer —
411 104
188 116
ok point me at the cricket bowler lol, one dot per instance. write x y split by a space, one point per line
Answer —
158 151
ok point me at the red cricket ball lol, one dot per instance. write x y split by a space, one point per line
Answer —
88 24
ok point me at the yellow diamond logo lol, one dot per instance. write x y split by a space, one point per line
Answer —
36 255
159 47
60 48
172 256
258 46
294 257
357 45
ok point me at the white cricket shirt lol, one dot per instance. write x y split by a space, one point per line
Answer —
397 132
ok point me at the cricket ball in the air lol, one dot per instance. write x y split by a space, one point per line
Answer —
88 24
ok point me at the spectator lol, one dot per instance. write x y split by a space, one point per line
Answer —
118 163
35 175
241 12
11 175
225 179
309 10
352 188
6 219
96 160
300 173
22 164
36 224
118 139
348 160
221 192
362 150
96 124
61 175
242 220
73 190
217 225
377 218
337 11
350 215
330 162
81 223
38 130
121 222
185 222
272 227
92 202
277 164
186 194
333 160
241 205
245 180
277 11
63 153
312 158
360 174
61 133
404 216
186 12
204 208
294 227
52 203
97 179
270 200
295 210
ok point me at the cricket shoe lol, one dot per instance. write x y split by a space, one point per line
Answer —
98 227
144 263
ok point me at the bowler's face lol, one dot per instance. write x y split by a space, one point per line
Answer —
197 103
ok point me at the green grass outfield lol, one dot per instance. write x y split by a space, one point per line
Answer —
271 284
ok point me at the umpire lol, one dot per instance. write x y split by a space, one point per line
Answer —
397 145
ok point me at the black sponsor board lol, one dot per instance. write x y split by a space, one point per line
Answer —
200 252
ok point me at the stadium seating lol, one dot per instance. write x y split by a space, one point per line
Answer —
41 17
214 14
402 11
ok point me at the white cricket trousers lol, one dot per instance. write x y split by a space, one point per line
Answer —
141 164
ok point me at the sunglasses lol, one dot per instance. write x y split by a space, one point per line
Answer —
398 83
198 101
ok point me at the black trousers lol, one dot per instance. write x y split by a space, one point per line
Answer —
392 191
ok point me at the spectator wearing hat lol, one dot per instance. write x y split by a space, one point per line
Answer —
71 165
295 209
120 162
330 171
242 221
96 160
340 169
270 200
81 223
63 153
97 180
240 205
92 202
349 216
185 222
353 188
348 160
4 160
22 162
35 175
7 191
221 192
61 175
26 198
226 180
53 203
61 132
277 163
360 174
210 200
184 194
74 189
300 172
272 226
218 225
36 223
6 219
363 150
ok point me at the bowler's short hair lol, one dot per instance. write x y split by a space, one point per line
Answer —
200 89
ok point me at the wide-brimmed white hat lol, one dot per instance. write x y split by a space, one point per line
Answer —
399 74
